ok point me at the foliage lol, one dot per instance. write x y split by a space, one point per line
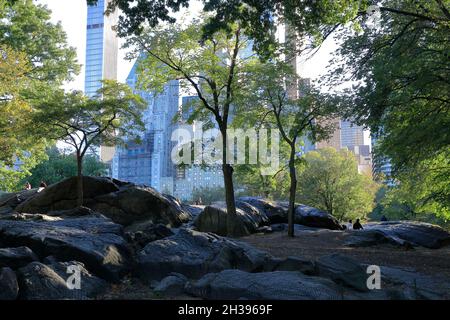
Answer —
258 18
61 165
422 190
278 98
34 59
113 115
401 74
214 70
208 195
331 182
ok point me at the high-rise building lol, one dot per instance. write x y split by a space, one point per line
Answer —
381 166
101 55
150 162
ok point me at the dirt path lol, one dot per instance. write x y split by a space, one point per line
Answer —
312 245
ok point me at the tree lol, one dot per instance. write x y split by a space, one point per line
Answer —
401 74
213 70
294 115
109 118
258 18
331 182
422 190
61 165
16 148
34 59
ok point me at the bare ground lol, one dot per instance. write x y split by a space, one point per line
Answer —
312 245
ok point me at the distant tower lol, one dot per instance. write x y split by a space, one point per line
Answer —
101 55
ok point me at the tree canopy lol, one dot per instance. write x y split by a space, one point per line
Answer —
331 182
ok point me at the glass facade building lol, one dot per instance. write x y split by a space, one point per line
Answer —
101 55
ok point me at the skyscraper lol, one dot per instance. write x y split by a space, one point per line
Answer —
150 162
101 55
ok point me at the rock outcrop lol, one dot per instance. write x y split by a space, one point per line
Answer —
312 217
214 218
195 254
124 203
97 242
9 287
401 233
50 282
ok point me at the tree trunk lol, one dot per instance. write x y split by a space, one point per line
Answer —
227 170
80 199
292 191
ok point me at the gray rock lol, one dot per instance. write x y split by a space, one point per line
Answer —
172 285
278 285
215 218
135 203
295 264
194 254
143 233
50 282
417 285
418 233
63 195
312 217
124 203
9 287
343 270
275 212
93 241
367 238
12 200
15 258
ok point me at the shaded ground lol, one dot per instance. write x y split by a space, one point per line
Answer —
312 245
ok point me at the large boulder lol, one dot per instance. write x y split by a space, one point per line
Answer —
312 217
215 218
278 285
135 203
343 270
124 203
12 200
63 195
9 287
16 257
52 282
368 238
194 254
417 233
275 212
97 242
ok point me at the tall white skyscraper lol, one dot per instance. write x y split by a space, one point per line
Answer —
101 55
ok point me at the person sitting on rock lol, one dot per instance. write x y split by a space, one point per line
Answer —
27 186
350 225
43 184
357 225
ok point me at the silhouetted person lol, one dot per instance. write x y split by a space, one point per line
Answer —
43 184
28 186
349 225
383 218
357 225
